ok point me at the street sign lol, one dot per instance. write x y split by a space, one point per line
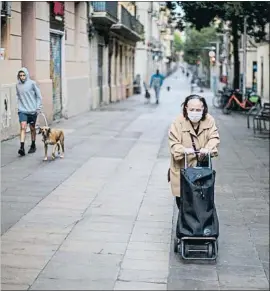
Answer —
212 54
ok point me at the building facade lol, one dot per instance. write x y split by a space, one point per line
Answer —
149 50
251 62
263 67
115 30
166 37
50 39
155 50
81 54
257 65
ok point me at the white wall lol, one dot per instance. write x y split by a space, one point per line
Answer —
141 59
263 56
144 63
251 57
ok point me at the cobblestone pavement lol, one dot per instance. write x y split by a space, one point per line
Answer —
101 219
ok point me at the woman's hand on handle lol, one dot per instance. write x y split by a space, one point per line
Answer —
204 151
189 151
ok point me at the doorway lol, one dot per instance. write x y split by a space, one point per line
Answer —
100 72
109 75
262 91
56 73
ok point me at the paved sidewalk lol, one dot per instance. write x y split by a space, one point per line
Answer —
101 219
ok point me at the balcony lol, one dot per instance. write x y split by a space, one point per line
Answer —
5 9
104 14
128 26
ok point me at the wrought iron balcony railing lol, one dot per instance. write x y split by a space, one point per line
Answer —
110 7
138 27
131 22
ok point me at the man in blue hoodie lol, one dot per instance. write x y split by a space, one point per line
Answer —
29 105
156 82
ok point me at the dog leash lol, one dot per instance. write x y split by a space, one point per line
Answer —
44 118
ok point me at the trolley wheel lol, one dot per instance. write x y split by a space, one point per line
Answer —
175 245
210 250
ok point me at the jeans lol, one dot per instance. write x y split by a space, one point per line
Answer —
157 91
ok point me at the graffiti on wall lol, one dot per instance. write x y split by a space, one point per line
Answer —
55 74
5 108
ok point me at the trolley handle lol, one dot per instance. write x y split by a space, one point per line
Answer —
197 152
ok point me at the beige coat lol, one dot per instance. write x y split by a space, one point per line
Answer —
179 139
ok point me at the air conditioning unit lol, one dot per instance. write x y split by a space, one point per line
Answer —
5 9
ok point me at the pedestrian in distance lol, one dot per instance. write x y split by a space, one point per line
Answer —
29 105
193 130
157 82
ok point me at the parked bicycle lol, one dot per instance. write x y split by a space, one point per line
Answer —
220 100
196 84
237 103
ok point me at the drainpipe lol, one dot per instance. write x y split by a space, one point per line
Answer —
244 57
0 22
269 58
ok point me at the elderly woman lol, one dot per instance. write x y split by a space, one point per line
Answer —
191 132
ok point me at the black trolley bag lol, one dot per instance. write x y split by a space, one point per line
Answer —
197 228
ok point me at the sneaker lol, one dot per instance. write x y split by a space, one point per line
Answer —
32 149
21 152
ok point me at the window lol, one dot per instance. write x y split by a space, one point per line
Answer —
5 15
3 45
57 15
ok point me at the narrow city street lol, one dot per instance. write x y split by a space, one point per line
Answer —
103 218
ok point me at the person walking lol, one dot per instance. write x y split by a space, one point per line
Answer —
29 101
157 82
194 129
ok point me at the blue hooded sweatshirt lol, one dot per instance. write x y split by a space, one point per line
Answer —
28 94
156 80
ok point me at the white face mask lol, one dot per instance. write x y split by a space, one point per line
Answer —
194 116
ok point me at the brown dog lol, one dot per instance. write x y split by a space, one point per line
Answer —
55 137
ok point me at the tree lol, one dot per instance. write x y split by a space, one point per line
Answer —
178 43
196 41
202 14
